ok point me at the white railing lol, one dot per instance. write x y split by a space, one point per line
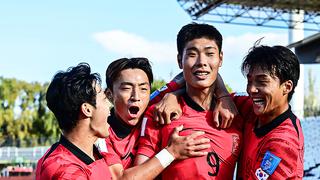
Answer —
14 154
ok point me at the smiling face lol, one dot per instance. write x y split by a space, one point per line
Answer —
268 95
200 63
130 94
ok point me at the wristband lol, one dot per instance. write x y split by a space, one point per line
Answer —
164 157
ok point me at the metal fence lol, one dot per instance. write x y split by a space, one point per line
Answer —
21 155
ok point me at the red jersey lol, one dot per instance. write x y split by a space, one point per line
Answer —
122 141
225 143
158 94
66 161
273 151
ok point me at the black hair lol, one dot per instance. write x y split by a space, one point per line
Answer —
193 31
114 69
68 90
278 61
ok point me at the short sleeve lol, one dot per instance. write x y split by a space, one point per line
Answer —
149 142
288 154
158 94
243 103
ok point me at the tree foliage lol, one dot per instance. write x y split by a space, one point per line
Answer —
157 84
311 104
25 119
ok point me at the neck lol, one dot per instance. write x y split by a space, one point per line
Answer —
267 118
121 129
202 97
81 138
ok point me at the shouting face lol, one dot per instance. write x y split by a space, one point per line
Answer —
130 95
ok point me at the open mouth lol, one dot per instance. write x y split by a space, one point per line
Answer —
133 110
258 101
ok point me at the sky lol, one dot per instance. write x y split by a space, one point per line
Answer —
39 38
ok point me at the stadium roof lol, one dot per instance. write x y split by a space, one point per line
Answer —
303 42
269 13
307 5
308 49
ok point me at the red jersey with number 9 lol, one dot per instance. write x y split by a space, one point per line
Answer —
223 154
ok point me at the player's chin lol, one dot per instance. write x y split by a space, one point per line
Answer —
107 134
103 134
133 122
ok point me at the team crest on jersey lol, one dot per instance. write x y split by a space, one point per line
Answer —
241 94
269 163
235 144
261 175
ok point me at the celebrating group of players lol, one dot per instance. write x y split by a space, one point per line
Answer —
138 139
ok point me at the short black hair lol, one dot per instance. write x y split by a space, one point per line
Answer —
68 90
114 69
278 61
193 31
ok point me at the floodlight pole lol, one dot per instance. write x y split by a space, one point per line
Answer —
296 34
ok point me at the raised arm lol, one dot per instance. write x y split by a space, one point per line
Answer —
169 109
225 109
166 100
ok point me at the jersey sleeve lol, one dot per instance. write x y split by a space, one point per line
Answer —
158 94
149 141
280 159
243 103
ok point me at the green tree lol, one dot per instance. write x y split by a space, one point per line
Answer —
24 117
157 84
311 105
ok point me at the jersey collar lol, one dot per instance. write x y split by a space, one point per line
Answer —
77 152
262 131
118 126
191 103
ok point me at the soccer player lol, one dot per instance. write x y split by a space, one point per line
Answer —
129 82
274 142
200 56
81 108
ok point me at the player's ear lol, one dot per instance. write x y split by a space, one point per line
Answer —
109 94
221 58
287 87
87 109
179 59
